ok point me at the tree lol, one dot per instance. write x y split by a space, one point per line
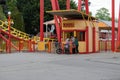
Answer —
2 15
103 14
30 11
16 15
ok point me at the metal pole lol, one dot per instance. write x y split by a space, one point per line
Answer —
87 6
41 19
55 6
68 4
113 26
9 37
79 5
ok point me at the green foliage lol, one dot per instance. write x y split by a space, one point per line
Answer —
103 14
30 11
47 16
2 15
73 4
18 21
25 13
16 15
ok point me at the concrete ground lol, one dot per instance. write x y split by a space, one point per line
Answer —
45 66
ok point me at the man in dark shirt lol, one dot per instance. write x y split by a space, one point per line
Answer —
76 44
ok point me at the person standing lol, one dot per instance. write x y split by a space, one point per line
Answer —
76 45
72 38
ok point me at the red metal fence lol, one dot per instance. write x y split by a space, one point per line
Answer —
105 45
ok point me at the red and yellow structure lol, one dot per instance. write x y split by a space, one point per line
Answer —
90 47
68 22
80 25
12 40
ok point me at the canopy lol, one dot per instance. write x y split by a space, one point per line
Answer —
71 14
50 22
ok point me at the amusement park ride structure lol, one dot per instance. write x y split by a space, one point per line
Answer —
55 6
21 41
12 38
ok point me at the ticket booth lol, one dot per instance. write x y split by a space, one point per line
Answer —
80 25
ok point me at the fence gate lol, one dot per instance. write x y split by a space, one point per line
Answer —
105 45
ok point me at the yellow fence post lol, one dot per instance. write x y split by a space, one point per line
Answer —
41 46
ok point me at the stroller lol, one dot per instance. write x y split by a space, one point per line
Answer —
58 48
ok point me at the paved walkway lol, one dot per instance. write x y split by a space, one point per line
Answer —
44 66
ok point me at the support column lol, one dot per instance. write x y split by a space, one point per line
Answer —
9 35
94 40
41 19
87 6
87 39
68 4
58 29
79 5
113 26
55 6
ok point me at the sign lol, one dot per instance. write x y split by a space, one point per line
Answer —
67 25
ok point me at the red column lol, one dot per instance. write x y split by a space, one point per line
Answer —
41 19
87 6
58 29
113 26
79 5
9 35
55 6
87 39
67 4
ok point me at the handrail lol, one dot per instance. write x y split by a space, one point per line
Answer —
15 32
20 34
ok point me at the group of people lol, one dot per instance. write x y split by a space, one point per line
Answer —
73 44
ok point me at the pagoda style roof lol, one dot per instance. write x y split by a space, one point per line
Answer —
102 24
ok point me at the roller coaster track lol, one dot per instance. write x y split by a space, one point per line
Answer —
21 37
14 34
